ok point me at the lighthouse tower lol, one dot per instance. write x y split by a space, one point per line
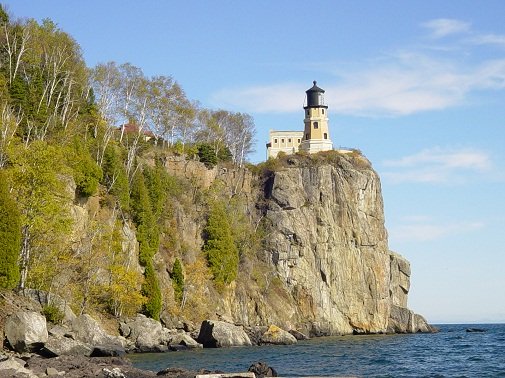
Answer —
316 136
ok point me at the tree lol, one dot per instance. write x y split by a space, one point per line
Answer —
10 237
219 248
43 198
177 280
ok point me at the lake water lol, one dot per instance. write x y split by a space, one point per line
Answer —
452 352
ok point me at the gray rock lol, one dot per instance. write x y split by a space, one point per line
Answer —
50 371
298 335
26 331
276 335
44 299
185 340
145 333
88 330
64 346
13 368
108 351
261 369
215 334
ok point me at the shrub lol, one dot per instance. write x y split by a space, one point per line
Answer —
52 313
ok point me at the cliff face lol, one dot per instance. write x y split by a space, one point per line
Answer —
328 244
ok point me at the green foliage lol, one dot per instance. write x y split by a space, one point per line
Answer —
10 237
207 155
52 314
219 248
115 178
87 173
177 280
147 228
4 17
41 191
151 290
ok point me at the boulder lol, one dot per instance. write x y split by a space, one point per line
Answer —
185 340
276 335
261 369
216 334
403 320
44 298
145 333
88 330
65 346
108 351
26 331
13 368
298 335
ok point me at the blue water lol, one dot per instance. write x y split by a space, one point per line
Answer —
452 352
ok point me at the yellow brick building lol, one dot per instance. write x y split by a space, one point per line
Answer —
316 135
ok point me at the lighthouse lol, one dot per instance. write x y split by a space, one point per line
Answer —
316 136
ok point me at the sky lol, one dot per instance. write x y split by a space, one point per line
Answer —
417 86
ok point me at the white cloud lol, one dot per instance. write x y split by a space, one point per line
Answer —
408 85
437 166
427 230
488 39
412 80
442 27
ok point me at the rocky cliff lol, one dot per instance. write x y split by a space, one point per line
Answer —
320 262
328 245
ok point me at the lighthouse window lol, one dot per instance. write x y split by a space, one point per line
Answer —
325 136
322 110
307 112
316 125
307 136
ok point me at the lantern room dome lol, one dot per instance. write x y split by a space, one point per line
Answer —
315 96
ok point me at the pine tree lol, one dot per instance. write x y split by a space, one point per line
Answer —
177 280
10 237
220 249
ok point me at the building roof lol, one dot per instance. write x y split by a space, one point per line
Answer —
315 88
130 128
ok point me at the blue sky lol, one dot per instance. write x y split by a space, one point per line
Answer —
417 86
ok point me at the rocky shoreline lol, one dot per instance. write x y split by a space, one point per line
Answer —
80 346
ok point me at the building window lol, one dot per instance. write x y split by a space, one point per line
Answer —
322 110
307 136
299 140
275 140
282 140
316 125
289 140
325 135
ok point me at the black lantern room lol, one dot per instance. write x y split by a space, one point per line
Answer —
315 97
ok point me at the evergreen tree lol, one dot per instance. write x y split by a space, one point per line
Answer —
10 237
177 280
220 249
